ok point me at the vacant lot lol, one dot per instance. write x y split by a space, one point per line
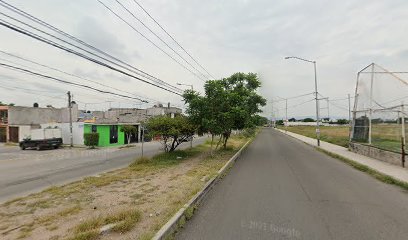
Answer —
338 135
138 199
385 136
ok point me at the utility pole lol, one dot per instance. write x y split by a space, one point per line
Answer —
316 96
143 132
328 109
402 134
286 109
317 108
349 108
70 119
349 113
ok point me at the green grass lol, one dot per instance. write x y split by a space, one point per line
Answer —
384 136
124 221
338 135
363 168
166 159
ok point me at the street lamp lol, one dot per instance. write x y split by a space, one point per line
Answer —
190 85
316 93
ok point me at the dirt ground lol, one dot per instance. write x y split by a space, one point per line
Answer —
151 191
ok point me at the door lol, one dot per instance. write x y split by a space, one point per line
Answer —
13 134
3 134
113 134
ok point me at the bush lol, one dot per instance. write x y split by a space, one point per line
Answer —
249 132
91 139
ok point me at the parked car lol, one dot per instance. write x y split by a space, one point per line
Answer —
43 138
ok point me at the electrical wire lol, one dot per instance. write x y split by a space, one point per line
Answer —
39 38
164 42
168 34
38 21
66 73
154 44
67 82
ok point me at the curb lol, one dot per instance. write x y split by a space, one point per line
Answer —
179 218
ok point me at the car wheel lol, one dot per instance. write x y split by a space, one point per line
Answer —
22 147
38 148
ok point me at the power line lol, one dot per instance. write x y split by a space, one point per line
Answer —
66 73
67 82
164 42
168 34
154 44
298 96
39 38
38 21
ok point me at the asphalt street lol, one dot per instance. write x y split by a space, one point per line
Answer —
29 171
281 188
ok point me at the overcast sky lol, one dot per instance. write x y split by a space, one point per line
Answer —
224 36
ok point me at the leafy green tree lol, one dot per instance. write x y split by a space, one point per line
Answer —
308 120
229 103
91 139
172 131
5 104
342 121
129 130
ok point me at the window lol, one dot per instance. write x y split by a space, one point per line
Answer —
94 129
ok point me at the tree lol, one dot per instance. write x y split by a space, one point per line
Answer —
91 139
229 103
129 130
172 131
308 120
5 104
292 119
260 121
279 122
342 121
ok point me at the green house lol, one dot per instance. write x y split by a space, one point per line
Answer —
109 134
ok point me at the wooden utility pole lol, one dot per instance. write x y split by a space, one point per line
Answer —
70 119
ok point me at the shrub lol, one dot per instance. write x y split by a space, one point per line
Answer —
91 139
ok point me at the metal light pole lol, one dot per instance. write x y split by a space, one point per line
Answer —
316 94
192 89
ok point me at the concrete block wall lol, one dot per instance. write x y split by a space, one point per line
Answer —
382 155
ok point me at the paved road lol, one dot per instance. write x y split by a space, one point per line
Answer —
24 172
284 189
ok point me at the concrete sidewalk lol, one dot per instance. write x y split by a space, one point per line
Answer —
394 171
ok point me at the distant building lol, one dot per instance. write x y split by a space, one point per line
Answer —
16 122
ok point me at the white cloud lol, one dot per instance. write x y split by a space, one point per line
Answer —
227 36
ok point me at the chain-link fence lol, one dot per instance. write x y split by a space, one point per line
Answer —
379 115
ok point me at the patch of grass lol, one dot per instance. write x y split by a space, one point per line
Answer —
338 135
140 160
363 168
146 236
8 203
53 217
89 225
26 231
190 212
52 228
90 235
125 220
43 203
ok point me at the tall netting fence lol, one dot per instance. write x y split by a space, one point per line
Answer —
380 108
